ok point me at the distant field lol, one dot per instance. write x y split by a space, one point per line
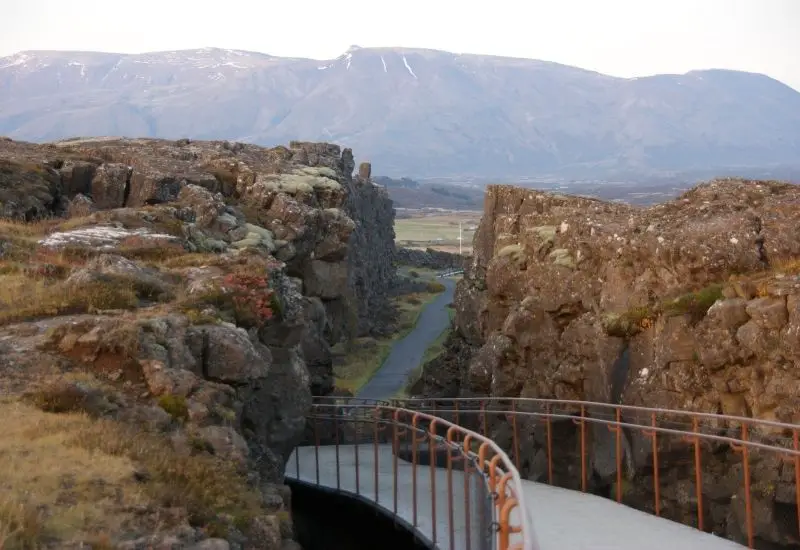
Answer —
439 231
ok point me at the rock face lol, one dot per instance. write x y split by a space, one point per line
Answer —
220 275
690 304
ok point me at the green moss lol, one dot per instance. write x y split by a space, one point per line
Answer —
175 406
512 250
628 324
197 317
696 303
276 305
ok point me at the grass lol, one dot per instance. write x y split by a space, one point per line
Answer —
361 363
636 319
366 355
90 476
438 232
23 299
696 303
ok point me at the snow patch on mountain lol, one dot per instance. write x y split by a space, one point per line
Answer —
410 70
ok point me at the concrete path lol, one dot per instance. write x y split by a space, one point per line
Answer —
407 353
561 519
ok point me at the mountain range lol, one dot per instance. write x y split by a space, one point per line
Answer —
414 112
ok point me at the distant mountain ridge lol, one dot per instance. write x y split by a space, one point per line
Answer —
413 112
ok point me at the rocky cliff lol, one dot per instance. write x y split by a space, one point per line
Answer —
693 304
191 290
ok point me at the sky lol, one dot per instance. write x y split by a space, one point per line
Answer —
624 38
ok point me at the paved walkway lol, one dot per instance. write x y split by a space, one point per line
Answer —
406 354
562 519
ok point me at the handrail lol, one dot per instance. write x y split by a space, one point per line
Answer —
743 435
477 454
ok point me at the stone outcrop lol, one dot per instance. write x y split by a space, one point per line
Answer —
220 275
690 304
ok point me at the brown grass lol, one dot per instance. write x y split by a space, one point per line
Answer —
23 299
68 478
789 266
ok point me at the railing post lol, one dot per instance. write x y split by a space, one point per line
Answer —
465 449
450 515
316 446
618 436
582 424
698 471
653 435
396 449
414 420
796 444
549 434
336 441
375 454
795 458
483 419
617 429
746 474
432 456
357 433
515 433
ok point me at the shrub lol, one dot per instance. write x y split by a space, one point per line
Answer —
628 324
64 396
435 287
414 274
252 298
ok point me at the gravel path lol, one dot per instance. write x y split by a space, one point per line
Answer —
406 354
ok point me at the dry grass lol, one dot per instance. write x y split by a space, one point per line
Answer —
53 489
149 250
67 478
789 266
193 259
361 362
23 299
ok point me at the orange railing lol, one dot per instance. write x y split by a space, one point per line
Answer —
373 450
663 437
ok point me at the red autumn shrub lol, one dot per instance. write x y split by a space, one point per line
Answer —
252 298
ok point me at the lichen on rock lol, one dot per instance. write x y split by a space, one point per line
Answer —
201 285
690 304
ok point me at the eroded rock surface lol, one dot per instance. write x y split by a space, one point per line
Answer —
691 304
205 282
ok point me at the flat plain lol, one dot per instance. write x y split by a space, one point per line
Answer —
438 231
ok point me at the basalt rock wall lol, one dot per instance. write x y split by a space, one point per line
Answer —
246 265
691 304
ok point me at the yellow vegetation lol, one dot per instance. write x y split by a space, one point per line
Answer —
22 298
89 476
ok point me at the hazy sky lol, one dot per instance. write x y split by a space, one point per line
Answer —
618 37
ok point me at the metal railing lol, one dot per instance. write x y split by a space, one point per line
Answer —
450 273
465 492
641 439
